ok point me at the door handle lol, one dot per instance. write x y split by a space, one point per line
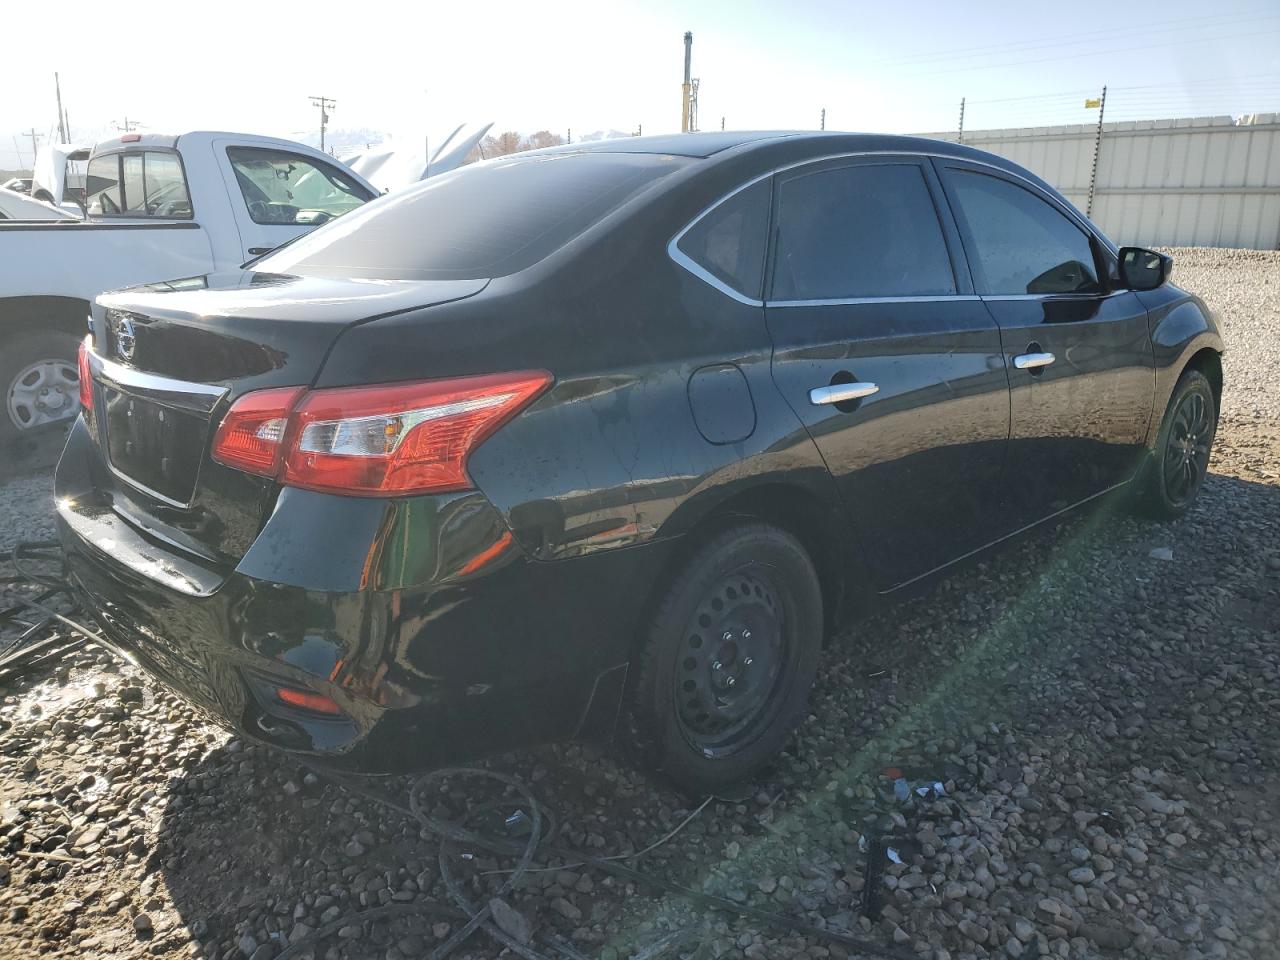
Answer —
259 251
840 392
1033 361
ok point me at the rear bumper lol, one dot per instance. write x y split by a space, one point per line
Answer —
432 632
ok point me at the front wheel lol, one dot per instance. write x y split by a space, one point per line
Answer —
729 655
39 382
1177 467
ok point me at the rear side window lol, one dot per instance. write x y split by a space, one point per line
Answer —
487 220
859 231
1018 243
138 184
729 242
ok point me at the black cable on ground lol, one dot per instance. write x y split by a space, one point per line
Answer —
452 832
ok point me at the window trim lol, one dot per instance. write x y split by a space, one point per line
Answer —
688 264
701 272
141 152
315 162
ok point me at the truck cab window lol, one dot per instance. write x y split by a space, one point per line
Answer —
102 185
287 188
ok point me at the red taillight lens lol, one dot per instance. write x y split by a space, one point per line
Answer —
400 438
85 375
306 700
386 440
251 435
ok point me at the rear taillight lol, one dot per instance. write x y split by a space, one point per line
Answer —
251 435
385 440
85 375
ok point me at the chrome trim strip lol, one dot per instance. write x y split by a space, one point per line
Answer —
1055 296
198 397
142 486
961 297
683 260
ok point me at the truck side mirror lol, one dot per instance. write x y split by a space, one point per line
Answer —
1142 269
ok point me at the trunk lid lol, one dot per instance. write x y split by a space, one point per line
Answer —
172 357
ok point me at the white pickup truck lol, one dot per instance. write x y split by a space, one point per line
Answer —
158 208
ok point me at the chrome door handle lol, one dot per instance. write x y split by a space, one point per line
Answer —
840 392
1033 361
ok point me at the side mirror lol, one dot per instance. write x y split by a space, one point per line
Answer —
1142 269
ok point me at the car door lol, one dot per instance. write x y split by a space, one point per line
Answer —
276 194
1077 346
884 352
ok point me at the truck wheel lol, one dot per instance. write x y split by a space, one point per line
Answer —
39 382
730 653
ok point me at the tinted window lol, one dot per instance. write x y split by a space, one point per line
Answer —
729 241
135 199
166 184
288 188
1018 242
486 220
102 184
859 231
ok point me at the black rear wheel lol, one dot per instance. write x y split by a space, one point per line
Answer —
730 653
1178 465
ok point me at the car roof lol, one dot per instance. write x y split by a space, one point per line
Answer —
800 142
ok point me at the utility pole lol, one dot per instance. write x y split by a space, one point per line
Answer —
129 125
722 121
822 124
35 143
686 88
63 134
325 104
1097 149
960 138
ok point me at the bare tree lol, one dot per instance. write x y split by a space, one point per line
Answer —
510 142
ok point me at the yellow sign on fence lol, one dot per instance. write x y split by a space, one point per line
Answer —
1093 104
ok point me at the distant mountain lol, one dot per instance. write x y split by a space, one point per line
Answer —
341 142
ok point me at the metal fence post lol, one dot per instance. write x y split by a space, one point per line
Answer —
1097 148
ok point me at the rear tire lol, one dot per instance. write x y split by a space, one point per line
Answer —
730 653
1175 470
39 385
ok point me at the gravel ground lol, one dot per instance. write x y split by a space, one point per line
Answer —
1102 722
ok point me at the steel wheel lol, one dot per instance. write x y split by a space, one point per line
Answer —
1186 451
735 647
44 392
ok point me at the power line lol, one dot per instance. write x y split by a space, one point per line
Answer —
1099 53
1122 33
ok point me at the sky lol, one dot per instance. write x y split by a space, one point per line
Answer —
405 69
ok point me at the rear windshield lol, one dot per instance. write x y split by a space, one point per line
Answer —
487 220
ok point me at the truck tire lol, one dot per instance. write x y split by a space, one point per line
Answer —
39 385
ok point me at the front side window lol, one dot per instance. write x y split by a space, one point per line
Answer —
867 230
284 188
138 184
1018 243
729 242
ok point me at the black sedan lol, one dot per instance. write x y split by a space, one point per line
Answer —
609 438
